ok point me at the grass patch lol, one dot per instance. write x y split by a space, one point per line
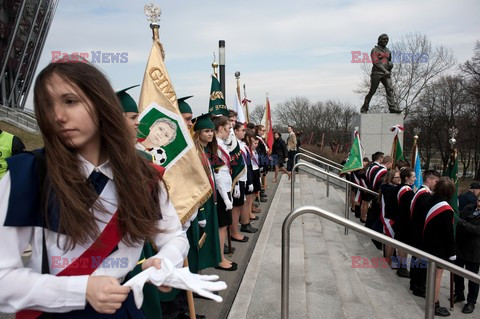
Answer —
31 140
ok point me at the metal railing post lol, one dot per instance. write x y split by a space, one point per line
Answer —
347 206
328 185
285 298
430 293
292 189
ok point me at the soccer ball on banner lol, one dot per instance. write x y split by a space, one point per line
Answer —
159 155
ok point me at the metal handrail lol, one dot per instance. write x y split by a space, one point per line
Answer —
433 261
315 168
321 157
328 166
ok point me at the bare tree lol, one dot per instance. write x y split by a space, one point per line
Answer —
470 71
256 114
416 64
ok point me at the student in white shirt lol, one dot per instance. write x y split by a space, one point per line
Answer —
88 220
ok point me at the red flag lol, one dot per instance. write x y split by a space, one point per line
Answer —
267 123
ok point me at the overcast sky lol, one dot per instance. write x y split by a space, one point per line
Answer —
285 48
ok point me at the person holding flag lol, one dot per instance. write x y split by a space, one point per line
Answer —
208 254
353 165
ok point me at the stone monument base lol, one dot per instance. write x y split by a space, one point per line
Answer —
375 133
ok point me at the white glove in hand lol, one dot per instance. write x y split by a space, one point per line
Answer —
228 204
250 188
236 191
452 258
202 223
180 278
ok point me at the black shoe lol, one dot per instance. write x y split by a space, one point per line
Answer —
468 308
243 240
458 298
402 272
248 229
263 195
441 311
263 199
232 268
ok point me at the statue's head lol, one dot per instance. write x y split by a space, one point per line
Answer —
383 39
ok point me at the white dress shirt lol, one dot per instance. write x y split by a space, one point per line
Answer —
23 285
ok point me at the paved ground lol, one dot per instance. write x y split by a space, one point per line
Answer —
242 255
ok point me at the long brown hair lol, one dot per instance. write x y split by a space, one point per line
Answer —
201 151
136 181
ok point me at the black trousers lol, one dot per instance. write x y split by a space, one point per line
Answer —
459 281
418 275
290 163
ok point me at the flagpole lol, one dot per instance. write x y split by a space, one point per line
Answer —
237 77
453 157
221 62
246 103
214 66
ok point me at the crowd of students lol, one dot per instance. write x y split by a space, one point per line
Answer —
421 218
95 190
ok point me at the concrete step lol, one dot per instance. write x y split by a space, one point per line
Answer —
323 281
360 292
259 293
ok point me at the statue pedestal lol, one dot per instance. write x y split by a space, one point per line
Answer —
375 133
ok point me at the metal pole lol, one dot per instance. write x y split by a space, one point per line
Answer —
221 63
292 191
328 185
430 293
286 264
347 206
10 44
24 53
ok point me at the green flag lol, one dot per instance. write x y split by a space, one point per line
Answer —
397 152
354 161
452 171
217 106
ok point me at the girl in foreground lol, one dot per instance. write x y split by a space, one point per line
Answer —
85 204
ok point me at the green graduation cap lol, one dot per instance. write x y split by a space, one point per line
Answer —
183 106
203 122
128 103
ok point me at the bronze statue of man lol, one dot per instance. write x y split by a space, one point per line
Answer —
382 66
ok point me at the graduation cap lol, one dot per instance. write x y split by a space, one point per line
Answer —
128 103
183 106
203 122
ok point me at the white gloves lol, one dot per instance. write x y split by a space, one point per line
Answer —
228 204
180 278
202 223
236 191
250 188
452 258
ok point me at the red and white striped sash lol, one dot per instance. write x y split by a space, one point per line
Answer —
420 192
436 210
